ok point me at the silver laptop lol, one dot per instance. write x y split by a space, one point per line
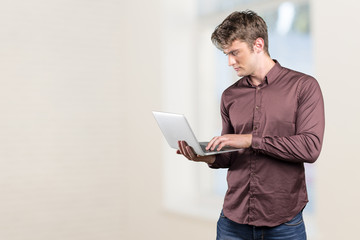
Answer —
176 128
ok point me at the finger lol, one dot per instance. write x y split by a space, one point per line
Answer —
211 143
226 142
190 152
181 148
194 156
184 151
223 144
217 142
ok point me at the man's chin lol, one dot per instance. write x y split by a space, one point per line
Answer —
240 74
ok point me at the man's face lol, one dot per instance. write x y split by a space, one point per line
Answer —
241 58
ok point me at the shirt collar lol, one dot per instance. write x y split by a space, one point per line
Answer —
274 72
270 76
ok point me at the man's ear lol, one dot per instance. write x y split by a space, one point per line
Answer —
258 45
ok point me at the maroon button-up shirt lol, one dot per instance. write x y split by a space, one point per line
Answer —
285 115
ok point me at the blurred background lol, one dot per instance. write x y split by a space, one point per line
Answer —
81 156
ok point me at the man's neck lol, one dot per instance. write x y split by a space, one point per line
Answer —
259 75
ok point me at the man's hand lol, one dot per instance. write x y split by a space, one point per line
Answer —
190 154
230 140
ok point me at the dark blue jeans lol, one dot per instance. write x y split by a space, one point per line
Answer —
292 230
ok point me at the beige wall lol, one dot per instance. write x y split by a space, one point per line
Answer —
336 52
78 82
62 82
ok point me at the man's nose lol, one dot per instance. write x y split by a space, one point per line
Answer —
231 60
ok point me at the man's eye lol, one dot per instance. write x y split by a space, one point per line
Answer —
234 53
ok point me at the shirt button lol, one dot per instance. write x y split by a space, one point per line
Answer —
257 107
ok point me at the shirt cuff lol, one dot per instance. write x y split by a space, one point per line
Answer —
214 164
256 143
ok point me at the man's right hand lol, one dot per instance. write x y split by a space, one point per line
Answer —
190 154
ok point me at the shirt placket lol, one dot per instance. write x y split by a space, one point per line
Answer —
255 133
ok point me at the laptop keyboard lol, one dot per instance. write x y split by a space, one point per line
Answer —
204 144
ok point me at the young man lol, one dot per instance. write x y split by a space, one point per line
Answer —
277 116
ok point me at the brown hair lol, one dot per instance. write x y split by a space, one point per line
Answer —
245 26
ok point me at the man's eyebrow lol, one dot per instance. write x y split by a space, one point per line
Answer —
231 52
